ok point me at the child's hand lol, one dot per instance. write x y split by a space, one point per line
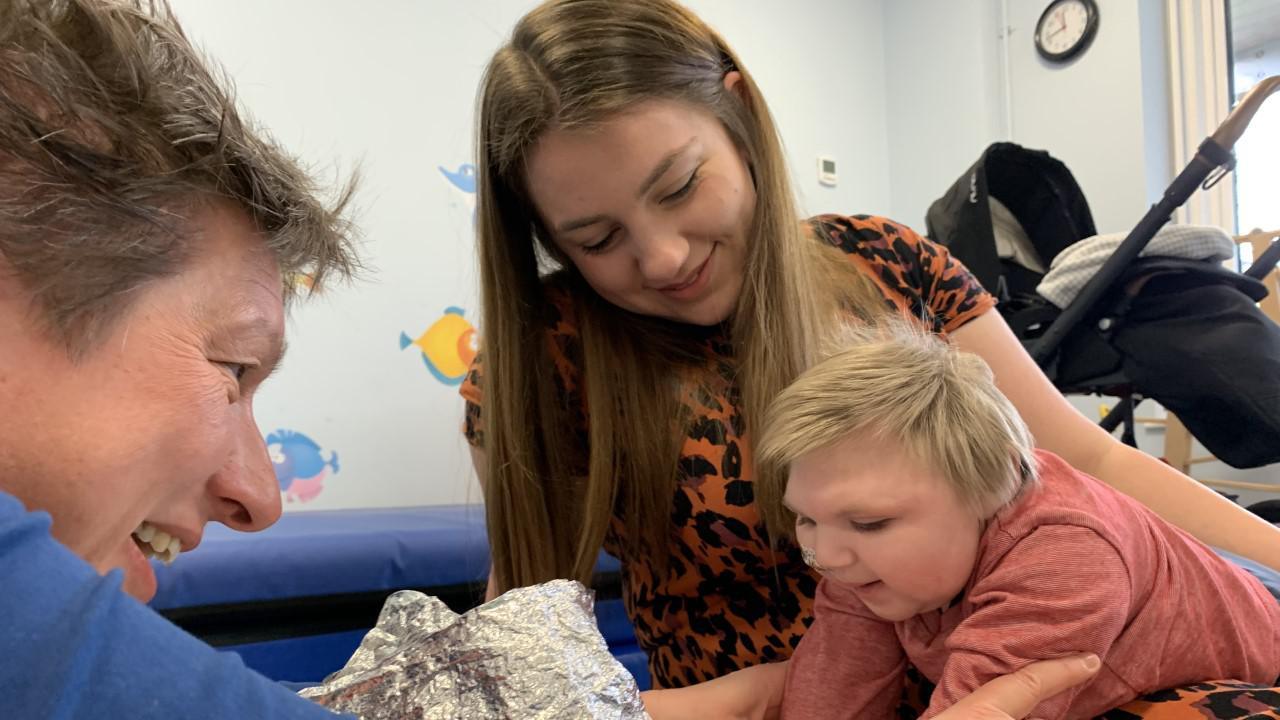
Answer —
754 693
1013 696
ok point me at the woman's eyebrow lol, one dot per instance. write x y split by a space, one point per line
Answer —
658 171
661 169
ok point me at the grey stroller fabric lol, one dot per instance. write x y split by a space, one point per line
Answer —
1012 242
1073 267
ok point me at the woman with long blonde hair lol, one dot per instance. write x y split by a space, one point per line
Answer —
648 286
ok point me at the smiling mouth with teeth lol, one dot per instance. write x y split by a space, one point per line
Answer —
156 543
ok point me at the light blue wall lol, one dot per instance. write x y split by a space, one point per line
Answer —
956 85
904 94
389 86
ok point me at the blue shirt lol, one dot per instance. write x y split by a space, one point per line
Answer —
73 644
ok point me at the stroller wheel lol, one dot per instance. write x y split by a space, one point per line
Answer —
1268 510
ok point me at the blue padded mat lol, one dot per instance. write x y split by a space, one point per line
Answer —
327 553
319 554
308 660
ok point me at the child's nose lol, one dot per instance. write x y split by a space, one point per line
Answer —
831 554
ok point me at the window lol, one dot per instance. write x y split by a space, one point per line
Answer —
1255 54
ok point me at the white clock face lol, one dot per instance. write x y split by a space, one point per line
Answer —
1063 27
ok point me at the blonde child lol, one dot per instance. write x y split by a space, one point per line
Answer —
945 540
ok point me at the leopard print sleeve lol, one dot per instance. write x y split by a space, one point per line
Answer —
915 274
472 427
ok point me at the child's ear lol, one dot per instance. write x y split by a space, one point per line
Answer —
1025 473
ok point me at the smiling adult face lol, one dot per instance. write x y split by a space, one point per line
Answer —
153 425
653 207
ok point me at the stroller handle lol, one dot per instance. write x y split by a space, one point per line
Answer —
1214 152
1233 127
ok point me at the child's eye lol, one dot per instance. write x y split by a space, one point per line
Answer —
869 526
802 521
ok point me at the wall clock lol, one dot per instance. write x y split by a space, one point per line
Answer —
1066 28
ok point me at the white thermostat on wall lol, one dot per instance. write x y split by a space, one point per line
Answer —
827 171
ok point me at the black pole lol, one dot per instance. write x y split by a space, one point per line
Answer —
1115 416
1122 416
1209 157
1127 434
1264 262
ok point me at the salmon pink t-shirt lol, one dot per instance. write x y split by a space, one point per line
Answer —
1070 566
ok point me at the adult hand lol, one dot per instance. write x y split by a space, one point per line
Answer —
1015 695
754 693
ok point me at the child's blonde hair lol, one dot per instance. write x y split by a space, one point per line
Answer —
909 386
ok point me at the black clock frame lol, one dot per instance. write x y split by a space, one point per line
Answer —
1090 30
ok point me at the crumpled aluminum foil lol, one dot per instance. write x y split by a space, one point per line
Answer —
535 652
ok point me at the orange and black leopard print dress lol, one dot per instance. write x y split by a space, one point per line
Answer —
720 607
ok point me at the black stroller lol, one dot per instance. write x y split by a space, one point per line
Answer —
1185 333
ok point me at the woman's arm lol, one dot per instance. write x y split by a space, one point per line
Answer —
754 693
1061 429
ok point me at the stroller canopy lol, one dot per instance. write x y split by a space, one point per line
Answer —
1040 193
1185 333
